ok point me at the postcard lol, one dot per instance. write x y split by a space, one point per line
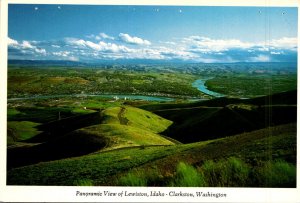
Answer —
110 101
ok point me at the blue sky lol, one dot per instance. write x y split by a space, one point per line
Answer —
169 33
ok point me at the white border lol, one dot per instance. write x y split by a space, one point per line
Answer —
68 194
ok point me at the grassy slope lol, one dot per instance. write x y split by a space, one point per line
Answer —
21 130
191 125
288 97
225 116
103 168
128 126
113 128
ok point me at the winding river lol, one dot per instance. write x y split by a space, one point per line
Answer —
200 85
109 96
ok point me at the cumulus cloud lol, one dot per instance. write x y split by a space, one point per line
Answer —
12 42
100 36
105 36
192 48
25 47
133 40
62 53
100 46
40 51
285 43
205 44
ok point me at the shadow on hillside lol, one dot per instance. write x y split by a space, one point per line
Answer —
208 121
60 139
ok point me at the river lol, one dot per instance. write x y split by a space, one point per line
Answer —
111 96
200 85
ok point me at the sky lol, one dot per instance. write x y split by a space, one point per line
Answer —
168 33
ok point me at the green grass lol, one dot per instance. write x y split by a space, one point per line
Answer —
77 136
40 114
231 172
98 167
128 126
22 130
188 176
252 85
105 168
133 179
12 112
136 118
125 136
203 123
61 80
276 174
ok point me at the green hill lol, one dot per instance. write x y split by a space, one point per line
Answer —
287 98
117 127
159 162
128 145
223 117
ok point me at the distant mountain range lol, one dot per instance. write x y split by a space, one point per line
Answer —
118 62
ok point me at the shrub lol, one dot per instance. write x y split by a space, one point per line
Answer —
212 173
133 179
236 173
232 172
276 174
187 176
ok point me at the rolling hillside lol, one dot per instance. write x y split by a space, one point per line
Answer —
107 167
103 147
112 128
225 116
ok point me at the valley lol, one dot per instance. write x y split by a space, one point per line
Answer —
151 125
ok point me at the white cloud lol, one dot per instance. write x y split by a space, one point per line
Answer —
40 51
61 53
285 43
101 46
105 36
55 46
193 48
263 49
205 44
25 45
260 58
275 53
100 36
133 40
92 45
12 42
